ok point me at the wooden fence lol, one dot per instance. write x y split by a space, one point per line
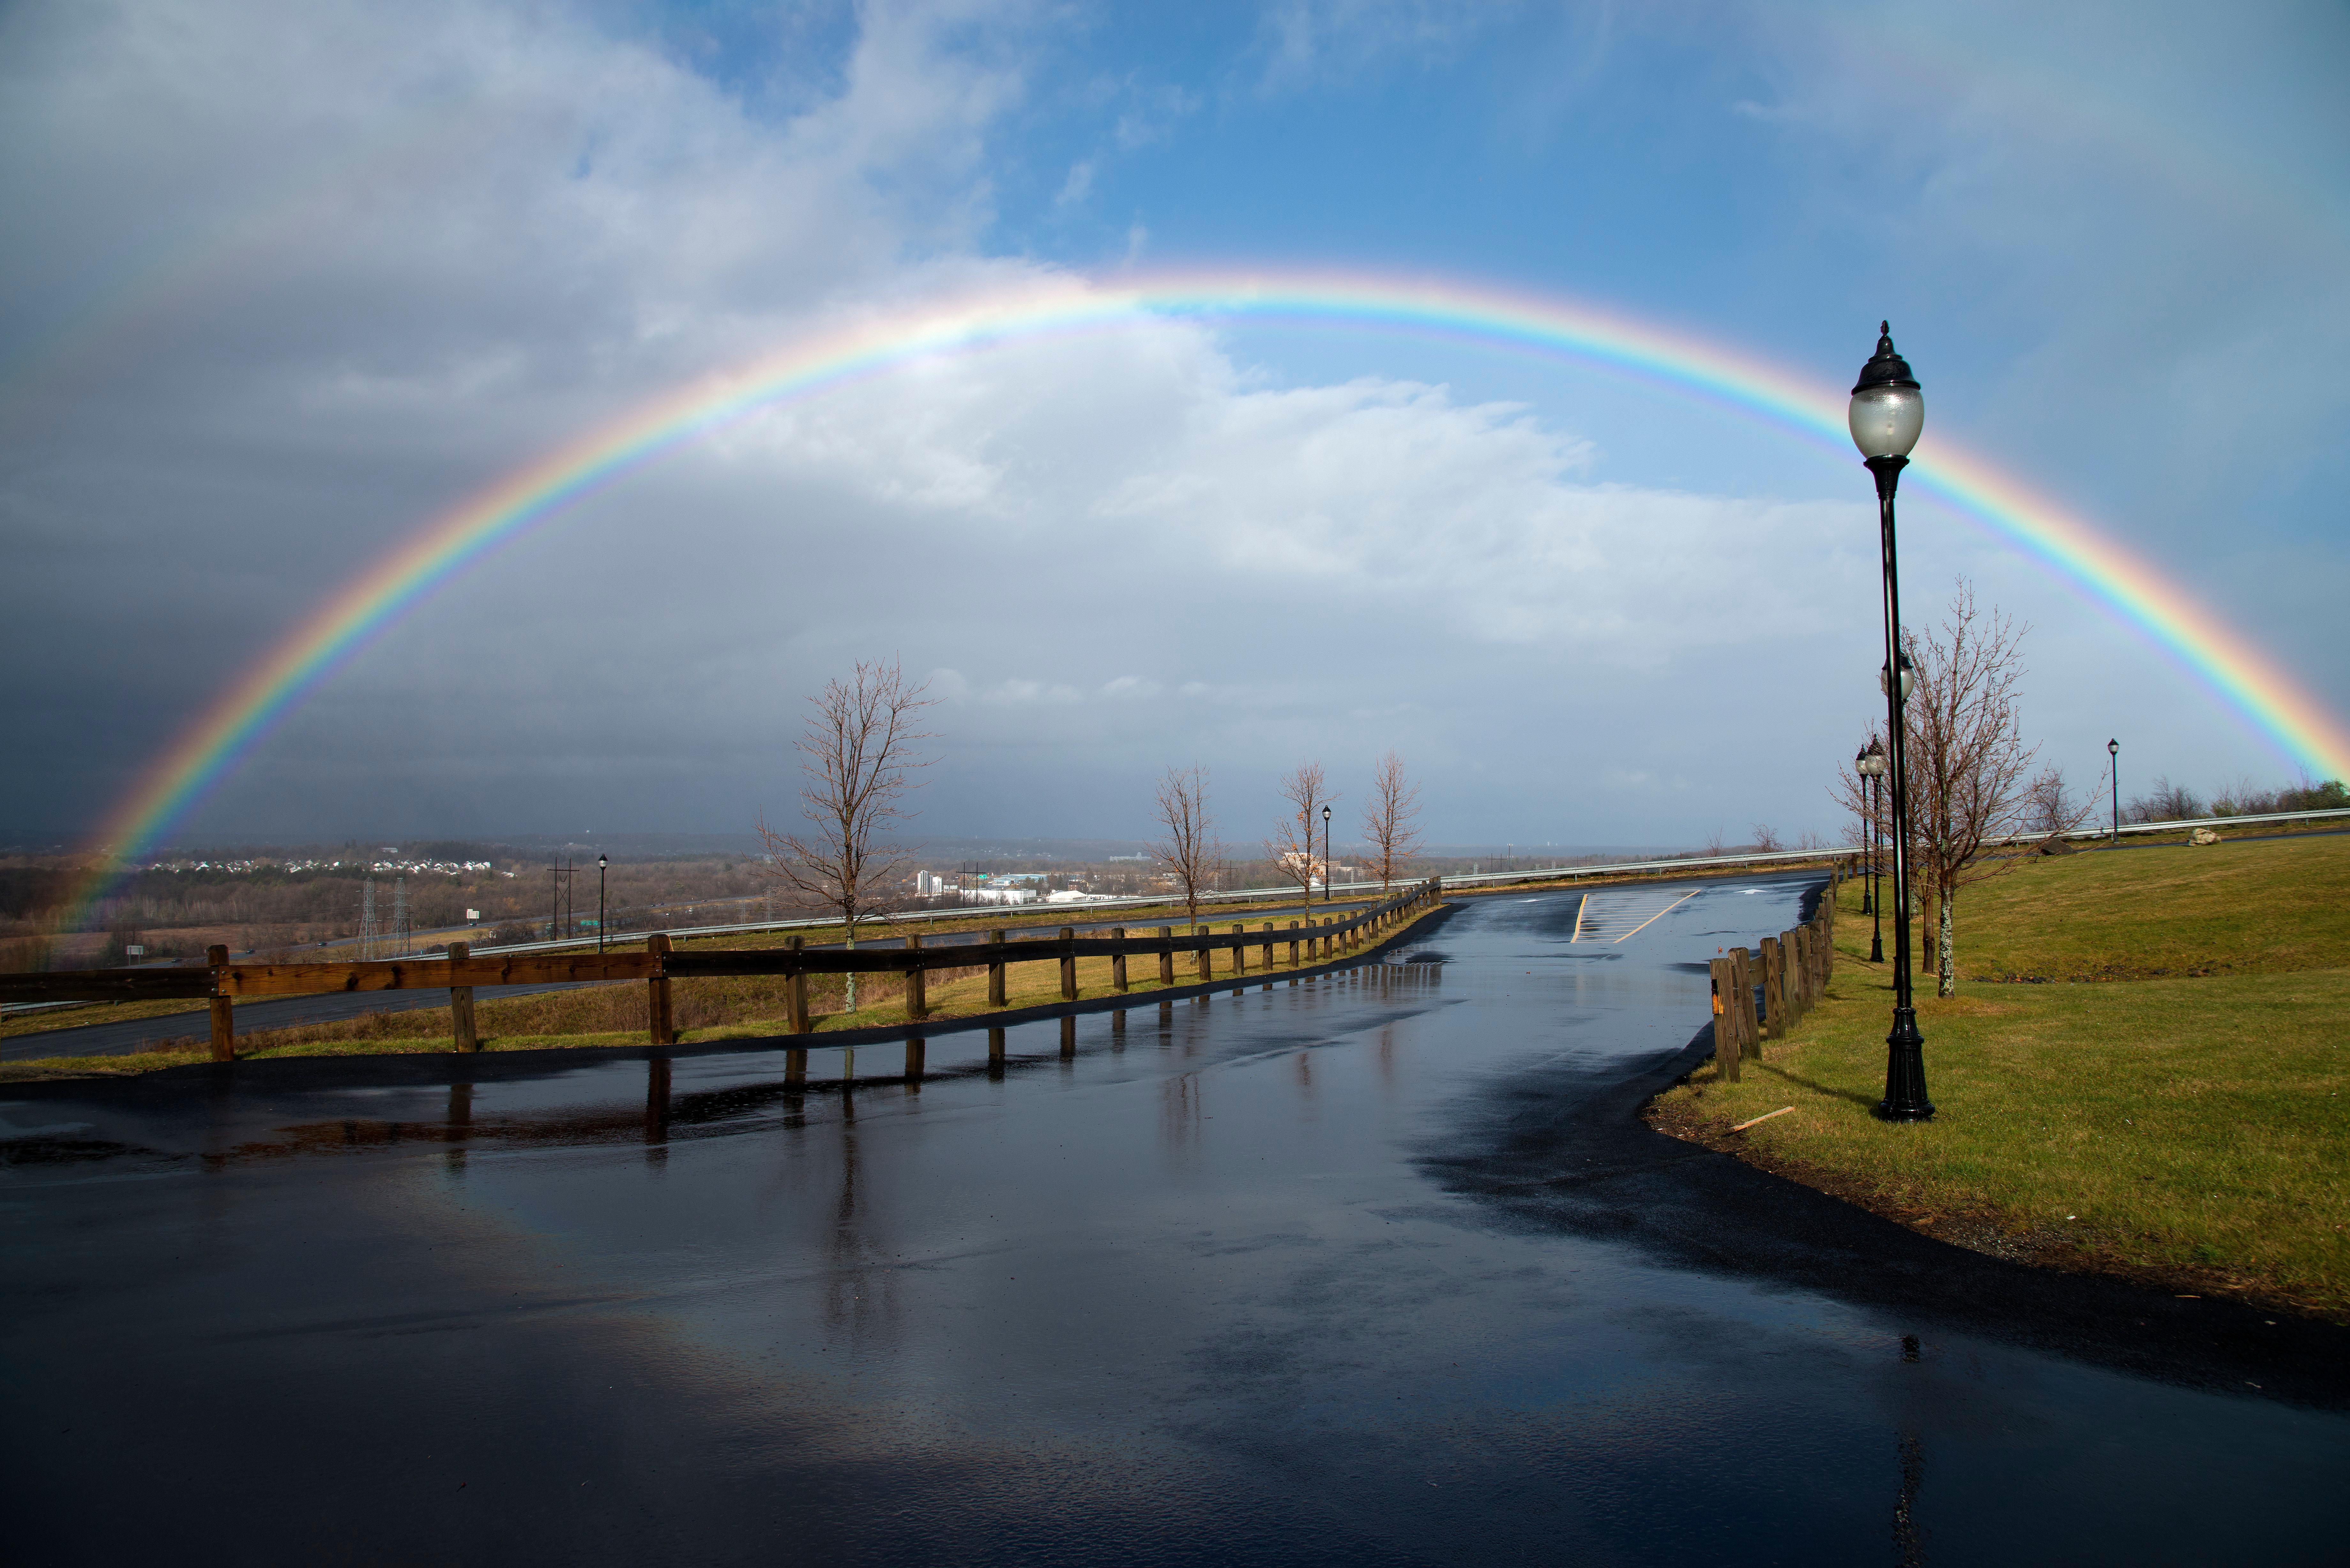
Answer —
224 982
1792 971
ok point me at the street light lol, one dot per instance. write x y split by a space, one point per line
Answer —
1888 412
2114 770
1328 871
1871 766
1909 679
601 863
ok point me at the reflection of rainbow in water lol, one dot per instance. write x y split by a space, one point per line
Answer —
2125 585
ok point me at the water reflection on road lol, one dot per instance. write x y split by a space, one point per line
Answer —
1351 1269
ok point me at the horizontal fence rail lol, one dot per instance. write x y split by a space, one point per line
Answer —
223 982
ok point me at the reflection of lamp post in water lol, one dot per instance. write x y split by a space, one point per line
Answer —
1888 414
1871 766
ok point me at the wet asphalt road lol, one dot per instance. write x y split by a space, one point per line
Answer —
285 1012
1375 1267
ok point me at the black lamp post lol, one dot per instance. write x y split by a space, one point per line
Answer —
1871 766
1329 872
1887 414
601 863
2114 768
1305 820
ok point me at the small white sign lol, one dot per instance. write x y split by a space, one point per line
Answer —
134 949
472 913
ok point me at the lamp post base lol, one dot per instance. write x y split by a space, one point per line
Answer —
1877 950
1905 1071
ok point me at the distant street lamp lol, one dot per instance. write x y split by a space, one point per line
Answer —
1888 414
1871 764
1328 870
601 863
2114 768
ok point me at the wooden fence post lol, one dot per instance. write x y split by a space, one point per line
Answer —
995 970
1268 946
1725 1040
1207 963
1069 966
795 994
1774 989
1118 963
1741 1003
1167 957
461 1005
1800 972
1293 944
224 1010
917 989
664 1021
1240 949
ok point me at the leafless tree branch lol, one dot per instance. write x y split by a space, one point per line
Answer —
1290 846
1189 851
1391 819
858 754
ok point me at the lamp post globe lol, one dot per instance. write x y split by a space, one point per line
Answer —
1887 416
1908 680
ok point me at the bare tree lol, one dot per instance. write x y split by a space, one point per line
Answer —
1391 819
2167 802
1290 846
1968 766
1766 839
858 752
1189 852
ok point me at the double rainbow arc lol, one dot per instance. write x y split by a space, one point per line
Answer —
210 747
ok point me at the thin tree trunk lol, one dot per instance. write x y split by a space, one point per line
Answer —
1945 967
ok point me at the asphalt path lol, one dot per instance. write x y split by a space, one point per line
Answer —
1373 1267
127 1037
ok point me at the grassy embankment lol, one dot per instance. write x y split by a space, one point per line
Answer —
704 1009
2144 1072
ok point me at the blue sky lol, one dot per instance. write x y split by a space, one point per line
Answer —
296 278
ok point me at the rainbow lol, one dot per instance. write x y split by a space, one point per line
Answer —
209 749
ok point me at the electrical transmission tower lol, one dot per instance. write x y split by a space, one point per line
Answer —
563 923
402 938
369 937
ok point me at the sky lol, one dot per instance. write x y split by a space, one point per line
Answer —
284 283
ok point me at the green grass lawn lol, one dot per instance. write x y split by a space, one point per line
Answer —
2261 908
2193 1129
